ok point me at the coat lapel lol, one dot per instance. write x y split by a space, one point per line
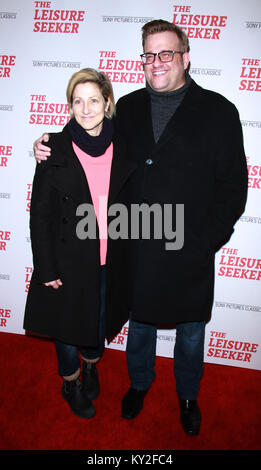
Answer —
71 178
121 168
142 123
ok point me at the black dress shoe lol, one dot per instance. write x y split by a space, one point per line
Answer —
90 380
80 404
190 416
132 403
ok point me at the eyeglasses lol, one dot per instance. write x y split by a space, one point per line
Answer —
164 56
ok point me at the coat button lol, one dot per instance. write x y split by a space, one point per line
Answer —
149 161
65 198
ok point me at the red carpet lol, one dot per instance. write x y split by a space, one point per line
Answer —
33 415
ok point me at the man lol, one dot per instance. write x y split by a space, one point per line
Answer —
188 147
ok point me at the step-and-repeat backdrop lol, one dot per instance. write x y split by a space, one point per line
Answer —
42 44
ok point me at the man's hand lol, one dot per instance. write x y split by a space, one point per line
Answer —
41 152
55 284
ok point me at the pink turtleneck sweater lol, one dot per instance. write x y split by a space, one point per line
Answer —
97 171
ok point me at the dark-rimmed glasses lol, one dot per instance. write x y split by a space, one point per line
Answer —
164 56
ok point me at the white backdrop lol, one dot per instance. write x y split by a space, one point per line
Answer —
42 44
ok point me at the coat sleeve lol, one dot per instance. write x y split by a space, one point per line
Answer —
231 178
41 225
119 119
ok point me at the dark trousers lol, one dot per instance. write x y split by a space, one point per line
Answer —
188 356
68 355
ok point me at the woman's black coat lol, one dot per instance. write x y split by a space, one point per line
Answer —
198 162
71 313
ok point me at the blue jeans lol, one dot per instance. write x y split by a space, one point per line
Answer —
68 355
188 356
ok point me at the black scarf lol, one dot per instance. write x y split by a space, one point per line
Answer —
94 146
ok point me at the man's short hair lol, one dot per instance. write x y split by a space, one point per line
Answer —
159 26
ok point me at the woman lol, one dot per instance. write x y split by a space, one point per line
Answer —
66 299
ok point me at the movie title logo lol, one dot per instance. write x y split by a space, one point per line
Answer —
250 75
120 339
5 237
5 153
5 313
28 276
220 347
198 26
120 70
44 113
234 266
28 196
254 175
6 64
48 20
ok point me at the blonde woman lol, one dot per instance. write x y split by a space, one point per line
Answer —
67 296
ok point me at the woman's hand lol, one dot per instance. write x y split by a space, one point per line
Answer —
55 284
41 152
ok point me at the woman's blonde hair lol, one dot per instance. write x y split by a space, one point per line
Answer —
93 76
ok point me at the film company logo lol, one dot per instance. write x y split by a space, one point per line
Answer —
7 62
221 347
28 276
126 19
49 20
198 26
5 237
4 277
250 75
5 15
205 72
44 113
120 70
252 219
56 64
5 313
6 107
236 306
253 25
5 153
5 195
254 175
253 124
232 265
